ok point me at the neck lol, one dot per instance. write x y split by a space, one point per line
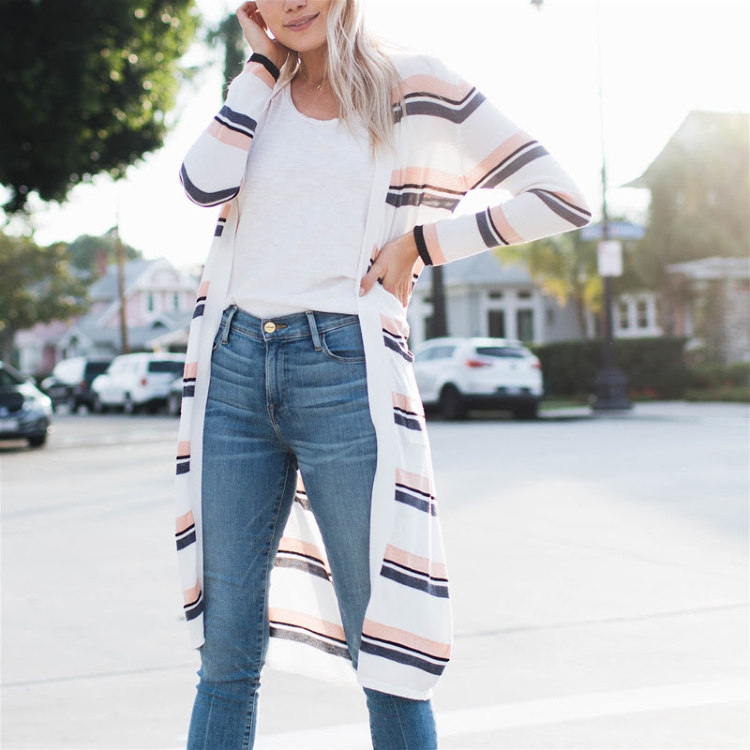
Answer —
315 65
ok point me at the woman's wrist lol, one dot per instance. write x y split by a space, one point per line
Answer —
269 64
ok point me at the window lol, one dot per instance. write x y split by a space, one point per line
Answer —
641 309
150 302
525 325
623 315
176 302
524 294
495 295
174 366
502 352
496 324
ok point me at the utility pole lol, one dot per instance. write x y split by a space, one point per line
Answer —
124 344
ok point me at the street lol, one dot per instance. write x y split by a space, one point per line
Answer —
599 575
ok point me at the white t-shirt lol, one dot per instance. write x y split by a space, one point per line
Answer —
303 207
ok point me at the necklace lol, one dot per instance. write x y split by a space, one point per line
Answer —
318 86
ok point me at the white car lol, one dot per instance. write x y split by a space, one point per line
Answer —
458 374
136 381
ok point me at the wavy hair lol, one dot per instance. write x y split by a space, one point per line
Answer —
360 74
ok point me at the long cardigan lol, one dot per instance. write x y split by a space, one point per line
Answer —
449 140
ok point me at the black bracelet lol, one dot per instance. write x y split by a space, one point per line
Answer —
424 253
266 63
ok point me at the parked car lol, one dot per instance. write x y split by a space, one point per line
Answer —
458 374
174 399
25 411
70 381
136 381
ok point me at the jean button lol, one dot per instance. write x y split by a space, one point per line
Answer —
269 327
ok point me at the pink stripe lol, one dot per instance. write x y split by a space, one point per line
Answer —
203 288
414 480
260 71
290 617
432 85
415 562
423 176
410 640
184 522
288 544
190 595
408 404
229 136
502 152
224 213
433 245
400 327
191 370
509 234
183 448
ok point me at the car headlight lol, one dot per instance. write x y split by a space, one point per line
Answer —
37 406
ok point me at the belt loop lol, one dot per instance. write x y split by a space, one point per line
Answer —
314 330
228 324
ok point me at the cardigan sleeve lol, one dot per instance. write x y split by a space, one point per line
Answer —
496 154
214 167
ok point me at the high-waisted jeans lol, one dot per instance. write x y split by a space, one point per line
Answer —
284 396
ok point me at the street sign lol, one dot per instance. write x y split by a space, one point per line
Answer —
609 257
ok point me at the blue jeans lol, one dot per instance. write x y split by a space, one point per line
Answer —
279 400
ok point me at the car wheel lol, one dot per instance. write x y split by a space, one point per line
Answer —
128 405
528 411
174 405
37 441
452 403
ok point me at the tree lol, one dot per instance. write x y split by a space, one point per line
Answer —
84 252
228 35
85 87
37 285
564 267
700 193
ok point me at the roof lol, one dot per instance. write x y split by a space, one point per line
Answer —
713 268
483 268
698 128
106 288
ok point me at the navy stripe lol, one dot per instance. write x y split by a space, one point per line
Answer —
495 229
391 344
188 391
484 229
219 230
407 659
186 541
404 421
203 198
553 205
438 97
199 310
510 168
266 63
329 648
183 468
303 565
416 502
414 583
414 572
421 199
196 608
406 648
237 121
436 109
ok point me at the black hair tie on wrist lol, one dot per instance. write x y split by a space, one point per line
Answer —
266 63
424 253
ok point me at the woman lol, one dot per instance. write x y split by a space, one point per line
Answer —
337 168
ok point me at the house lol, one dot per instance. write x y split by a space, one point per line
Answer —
159 303
485 297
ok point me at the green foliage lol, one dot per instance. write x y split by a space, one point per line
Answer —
85 88
700 193
228 34
565 267
84 252
37 285
655 367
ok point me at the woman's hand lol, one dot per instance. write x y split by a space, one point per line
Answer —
255 30
393 267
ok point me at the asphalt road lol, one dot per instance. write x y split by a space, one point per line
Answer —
599 576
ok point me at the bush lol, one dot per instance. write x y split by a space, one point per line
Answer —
655 367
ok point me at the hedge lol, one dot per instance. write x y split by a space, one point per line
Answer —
655 367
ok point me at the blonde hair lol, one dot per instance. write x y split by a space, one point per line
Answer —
361 76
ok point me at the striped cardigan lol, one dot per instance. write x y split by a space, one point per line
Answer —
448 140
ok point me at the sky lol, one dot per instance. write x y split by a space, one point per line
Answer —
657 60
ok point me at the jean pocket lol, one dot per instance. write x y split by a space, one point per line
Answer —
344 344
